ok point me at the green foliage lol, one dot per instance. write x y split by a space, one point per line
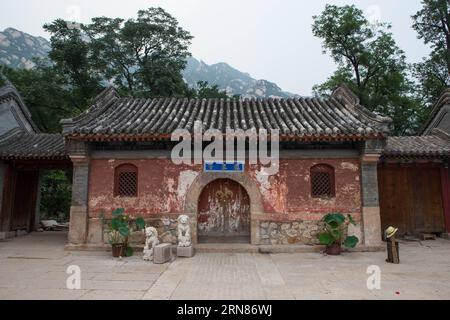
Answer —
56 195
351 242
432 76
204 91
143 56
432 24
371 63
72 60
121 226
335 227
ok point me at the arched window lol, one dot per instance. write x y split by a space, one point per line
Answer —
322 181
126 181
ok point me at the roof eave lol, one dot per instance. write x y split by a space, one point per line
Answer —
167 137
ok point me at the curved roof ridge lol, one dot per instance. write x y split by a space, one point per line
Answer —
344 93
98 105
10 91
444 99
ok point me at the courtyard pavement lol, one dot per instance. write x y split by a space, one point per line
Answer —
34 267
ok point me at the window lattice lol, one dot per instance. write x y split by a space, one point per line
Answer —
126 182
322 182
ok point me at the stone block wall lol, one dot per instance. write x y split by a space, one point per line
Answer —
284 233
166 227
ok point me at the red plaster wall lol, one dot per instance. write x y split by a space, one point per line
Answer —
289 194
157 188
286 196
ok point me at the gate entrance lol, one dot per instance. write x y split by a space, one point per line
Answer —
224 213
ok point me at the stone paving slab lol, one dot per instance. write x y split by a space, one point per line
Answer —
112 295
34 267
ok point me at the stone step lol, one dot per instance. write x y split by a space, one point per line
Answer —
248 248
225 248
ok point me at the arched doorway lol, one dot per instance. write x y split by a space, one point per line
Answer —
224 213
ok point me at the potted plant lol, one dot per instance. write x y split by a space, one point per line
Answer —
120 228
333 236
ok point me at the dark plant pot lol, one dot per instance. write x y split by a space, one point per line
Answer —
118 250
333 250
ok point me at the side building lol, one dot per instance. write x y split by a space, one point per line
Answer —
25 153
414 177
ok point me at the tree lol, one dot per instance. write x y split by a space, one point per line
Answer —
432 24
56 196
142 56
73 61
205 91
370 62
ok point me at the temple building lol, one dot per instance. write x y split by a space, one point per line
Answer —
334 156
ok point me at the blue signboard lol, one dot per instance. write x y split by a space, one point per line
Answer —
224 167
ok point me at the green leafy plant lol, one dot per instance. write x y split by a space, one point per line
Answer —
120 228
335 226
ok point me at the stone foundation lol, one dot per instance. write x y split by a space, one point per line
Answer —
166 227
270 232
284 233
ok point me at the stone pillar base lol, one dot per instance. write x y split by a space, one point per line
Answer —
78 225
162 253
372 227
185 252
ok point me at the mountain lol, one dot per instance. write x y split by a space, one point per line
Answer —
17 50
233 81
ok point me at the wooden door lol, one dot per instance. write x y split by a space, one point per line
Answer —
224 213
411 198
427 206
24 205
393 183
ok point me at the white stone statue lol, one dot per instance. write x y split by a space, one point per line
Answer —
184 231
151 241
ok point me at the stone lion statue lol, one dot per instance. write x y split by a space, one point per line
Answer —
184 231
151 241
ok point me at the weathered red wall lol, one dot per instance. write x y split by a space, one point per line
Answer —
286 196
289 192
157 187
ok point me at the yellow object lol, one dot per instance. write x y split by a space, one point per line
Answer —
390 232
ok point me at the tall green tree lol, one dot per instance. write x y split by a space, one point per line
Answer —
432 24
370 62
143 56
73 61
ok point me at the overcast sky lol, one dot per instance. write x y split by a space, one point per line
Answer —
270 39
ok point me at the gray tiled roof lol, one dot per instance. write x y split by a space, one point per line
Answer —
33 146
10 92
339 116
418 146
443 100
